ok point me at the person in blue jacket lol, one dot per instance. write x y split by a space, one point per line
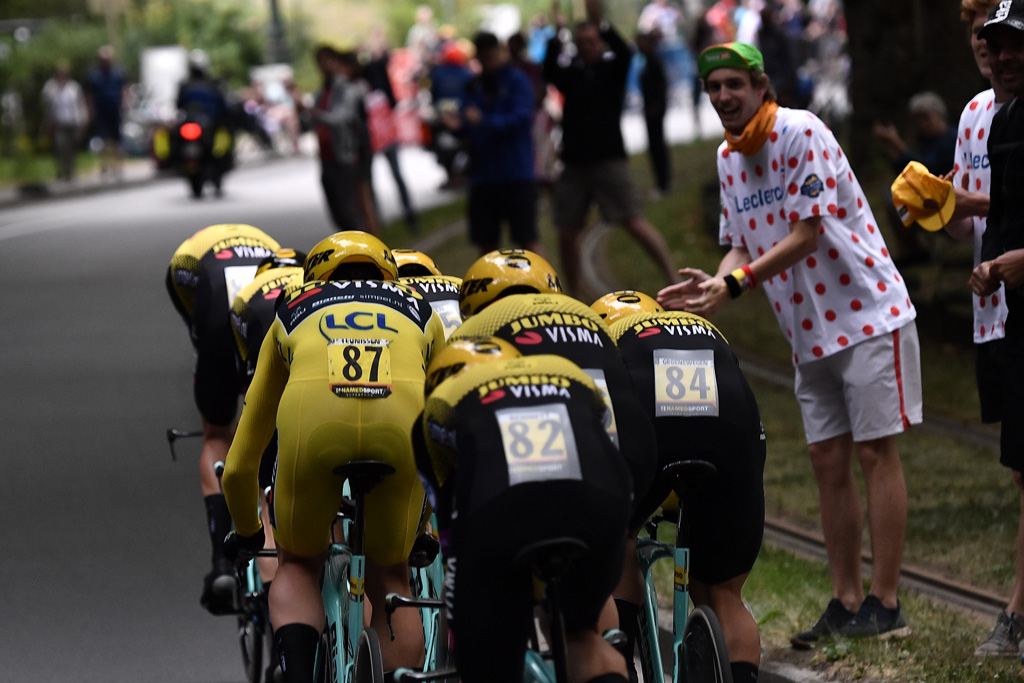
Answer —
497 120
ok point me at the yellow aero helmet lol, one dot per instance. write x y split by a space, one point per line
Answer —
465 353
349 246
504 272
412 263
624 302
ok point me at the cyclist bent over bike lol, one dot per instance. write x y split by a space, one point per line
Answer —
342 371
514 452
206 273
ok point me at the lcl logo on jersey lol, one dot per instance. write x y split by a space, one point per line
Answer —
356 320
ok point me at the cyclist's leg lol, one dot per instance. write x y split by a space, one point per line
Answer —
297 613
742 639
408 647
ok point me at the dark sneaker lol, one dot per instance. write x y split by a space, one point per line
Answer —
219 588
1004 641
835 617
874 619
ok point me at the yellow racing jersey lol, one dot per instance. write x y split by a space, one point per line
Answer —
253 313
442 291
529 419
230 252
356 351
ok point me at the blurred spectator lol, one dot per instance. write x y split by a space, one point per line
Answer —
380 114
748 20
593 79
654 86
540 33
448 81
497 118
106 95
665 18
335 117
780 56
422 36
65 118
545 150
936 144
352 72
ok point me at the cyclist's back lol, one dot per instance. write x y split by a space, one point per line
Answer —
442 291
205 274
516 453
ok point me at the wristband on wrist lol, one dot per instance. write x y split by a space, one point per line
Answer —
750 275
734 286
744 281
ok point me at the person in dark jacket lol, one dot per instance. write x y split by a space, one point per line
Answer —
497 120
593 81
654 87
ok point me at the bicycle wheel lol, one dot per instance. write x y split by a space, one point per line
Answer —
251 635
704 658
369 666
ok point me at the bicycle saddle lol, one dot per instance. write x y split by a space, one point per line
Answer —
687 475
363 475
550 559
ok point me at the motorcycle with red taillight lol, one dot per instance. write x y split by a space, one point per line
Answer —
198 150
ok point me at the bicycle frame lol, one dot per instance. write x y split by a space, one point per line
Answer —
343 593
649 551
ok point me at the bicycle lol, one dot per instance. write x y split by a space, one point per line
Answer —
698 644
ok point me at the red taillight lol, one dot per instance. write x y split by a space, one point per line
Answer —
191 131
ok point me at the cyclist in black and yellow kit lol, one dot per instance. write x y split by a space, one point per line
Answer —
342 370
419 271
514 452
494 296
206 273
689 381
252 314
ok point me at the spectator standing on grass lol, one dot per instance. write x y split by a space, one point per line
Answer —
65 118
592 78
335 116
797 222
380 114
497 119
654 87
106 96
999 275
936 143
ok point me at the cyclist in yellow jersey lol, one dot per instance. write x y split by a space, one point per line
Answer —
205 274
419 271
252 314
342 370
551 322
513 452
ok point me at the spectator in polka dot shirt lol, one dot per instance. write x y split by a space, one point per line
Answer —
996 280
797 222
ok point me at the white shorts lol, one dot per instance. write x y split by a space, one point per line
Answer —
870 390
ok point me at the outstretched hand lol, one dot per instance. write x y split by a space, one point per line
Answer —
674 297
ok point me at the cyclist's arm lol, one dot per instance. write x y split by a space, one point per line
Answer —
256 426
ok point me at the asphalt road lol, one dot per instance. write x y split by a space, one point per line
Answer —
104 536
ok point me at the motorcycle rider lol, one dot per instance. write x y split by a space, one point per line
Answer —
201 99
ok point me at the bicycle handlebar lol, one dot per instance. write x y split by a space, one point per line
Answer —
175 434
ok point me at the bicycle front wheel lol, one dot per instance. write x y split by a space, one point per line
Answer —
704 658
369 666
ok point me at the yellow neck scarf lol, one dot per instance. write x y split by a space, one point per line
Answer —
755 132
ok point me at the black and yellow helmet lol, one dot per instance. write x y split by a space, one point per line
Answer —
504 272
412 263
282 258
624 302
349 246
465 353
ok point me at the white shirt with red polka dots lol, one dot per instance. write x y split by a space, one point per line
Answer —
971 161
848 290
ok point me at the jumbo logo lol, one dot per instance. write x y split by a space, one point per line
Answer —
492 396
356 320
525 385
316 259
529 338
